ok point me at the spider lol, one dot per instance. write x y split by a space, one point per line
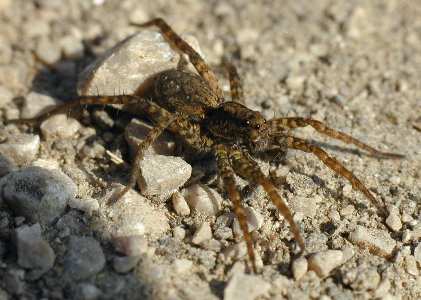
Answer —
194 109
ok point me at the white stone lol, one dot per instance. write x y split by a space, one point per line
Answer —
393 221
202 234
245 287
182 266
35 103
411 265
180 205
254 221
299 267
6 96
203 199
235 251
417 253
59 127
133 245
88 205
21 149
179 233
162 175
324 262
378 242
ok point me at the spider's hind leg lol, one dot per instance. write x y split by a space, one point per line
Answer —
198 62
236 87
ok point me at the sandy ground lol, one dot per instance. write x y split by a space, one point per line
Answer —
355 65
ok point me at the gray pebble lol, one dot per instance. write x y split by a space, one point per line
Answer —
162 175
14 281
6 165
87 205
48 51
87 291
124 264
38 194
21 149
202 234
33 251
84 258
35 103
133 245
203 199
59 127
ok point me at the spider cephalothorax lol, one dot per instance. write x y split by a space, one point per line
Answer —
193 108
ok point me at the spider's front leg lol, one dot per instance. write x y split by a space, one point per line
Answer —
236 87
282 124
227 176
336 166
248 169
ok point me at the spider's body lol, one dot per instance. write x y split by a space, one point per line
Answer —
193 108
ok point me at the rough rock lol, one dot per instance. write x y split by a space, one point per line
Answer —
299 267
180 205
124 264
377 241
324 262
202 234
133 245
35 103
203 199
21 148
254 220
245 287
59 127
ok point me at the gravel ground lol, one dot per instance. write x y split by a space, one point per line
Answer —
355 65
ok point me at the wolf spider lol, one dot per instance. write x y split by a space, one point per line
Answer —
193 108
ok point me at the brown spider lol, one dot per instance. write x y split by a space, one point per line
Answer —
193 108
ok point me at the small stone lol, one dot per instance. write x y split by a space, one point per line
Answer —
125 264
59 127
324 262
162 175
71 46
295 83
411 265
87 205
38 194
179 233
362 279
36 27
48 51
416 232
6 96
182 266
203 233
245 287
137 132
307 206
223 233
417 253
35 103
347 211
140 55
84 258
203 199
132 215
180 205
299 267
393 221
33 251
46 164
6 166
406 236
378 242
21 148
87 291
212 245
14 281
235 251
254 220
133 245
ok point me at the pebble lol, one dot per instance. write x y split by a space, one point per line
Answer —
124 264
180 205
33 251
179 233
245 287
137 131
133 245
84 258
14 281
162 175
87 291
417 253
393 221
88 205
382 289
71 46
6 165
347 210
48 51
307 206
21 148
59 127
202 234
203 199
378 242
324 262
235 251
49 164
411 265
295 83
362 278
6 96
132 215
254 220
299 267
38 194
135 59
35 103
182 266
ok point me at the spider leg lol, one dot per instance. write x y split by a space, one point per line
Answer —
83 100
236 87
281 124
247 168
336 166
140 152
227 176
174 39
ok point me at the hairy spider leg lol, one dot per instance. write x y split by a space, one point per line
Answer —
153 134
227 175
247 168
174 39
82 100
281 123
236 87
336 166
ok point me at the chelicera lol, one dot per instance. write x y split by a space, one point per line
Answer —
194 109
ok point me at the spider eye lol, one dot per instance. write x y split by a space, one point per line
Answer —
248 122
258 126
